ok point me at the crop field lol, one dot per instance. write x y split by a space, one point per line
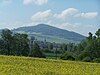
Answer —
13 65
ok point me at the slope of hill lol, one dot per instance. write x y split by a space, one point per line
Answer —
14 65
43 31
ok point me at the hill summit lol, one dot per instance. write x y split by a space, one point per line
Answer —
48 32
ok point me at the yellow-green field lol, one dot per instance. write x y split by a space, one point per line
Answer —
13 65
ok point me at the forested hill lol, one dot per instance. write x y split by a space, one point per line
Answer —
47 31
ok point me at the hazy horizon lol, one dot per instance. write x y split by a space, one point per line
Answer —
81 16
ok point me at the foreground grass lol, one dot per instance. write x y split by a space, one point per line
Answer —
13 65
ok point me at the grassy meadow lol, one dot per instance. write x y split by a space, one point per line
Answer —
13 65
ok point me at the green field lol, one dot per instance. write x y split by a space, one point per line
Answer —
13 65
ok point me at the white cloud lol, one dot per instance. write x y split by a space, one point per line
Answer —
38 2
88 15
41 16
72 12
27 1
66 13
79 22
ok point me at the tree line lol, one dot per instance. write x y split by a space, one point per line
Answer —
20 45
87 50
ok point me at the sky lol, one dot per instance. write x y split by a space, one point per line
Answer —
81 16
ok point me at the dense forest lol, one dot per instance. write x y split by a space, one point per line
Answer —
17 44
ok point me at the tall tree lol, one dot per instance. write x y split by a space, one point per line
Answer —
21 44
36 51
8 39
98 33
50 46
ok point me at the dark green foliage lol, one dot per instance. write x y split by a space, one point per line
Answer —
96 60
98 33
14 44
70 47
8 41
21 45
81 47
86 59
90 47
84 54
63 48
2 47
36 51
47 50
50 46
67 56
17 44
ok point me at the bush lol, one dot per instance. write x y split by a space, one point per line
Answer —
86 59
97 60
67 56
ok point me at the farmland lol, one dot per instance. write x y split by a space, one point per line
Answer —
14 65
